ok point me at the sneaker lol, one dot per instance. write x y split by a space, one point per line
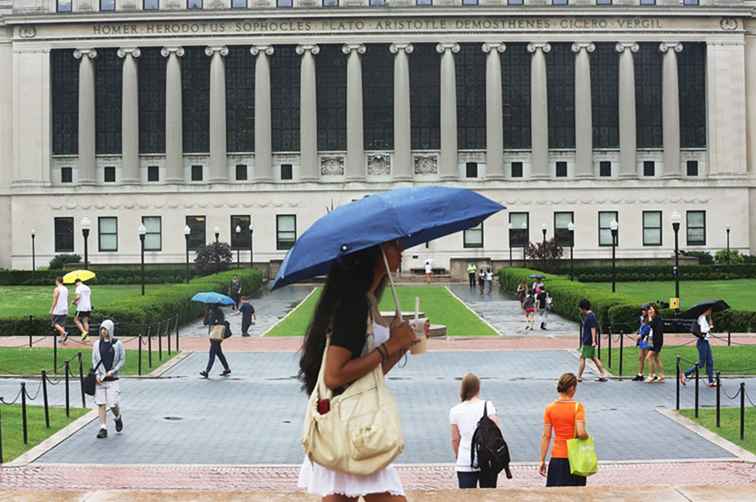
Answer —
652 379
602 379
102 434
713 385
226 372
638 378
119 424
543 326
84 336
204 374
65 337
246 334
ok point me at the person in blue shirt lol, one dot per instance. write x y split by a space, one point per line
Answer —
248 315
589 331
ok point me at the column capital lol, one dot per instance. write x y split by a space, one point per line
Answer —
349 48
493 47
587 46
407 48
444 47
167 51
675 46
622 46
543 46
211 51
262 49
134 52
80 53
313 49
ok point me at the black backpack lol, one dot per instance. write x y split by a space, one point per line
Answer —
489 446
695 329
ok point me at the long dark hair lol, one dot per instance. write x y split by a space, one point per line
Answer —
348 280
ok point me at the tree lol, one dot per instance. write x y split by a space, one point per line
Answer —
546 254
213 258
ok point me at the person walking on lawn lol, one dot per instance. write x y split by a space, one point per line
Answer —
589 332
83 303
248 315
213 319
108 357
656 372
59 309
704 326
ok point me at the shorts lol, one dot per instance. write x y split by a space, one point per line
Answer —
656 348
108 393
59 319
588 351
84 314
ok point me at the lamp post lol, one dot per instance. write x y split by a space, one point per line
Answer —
525 247
543 250
216 231
571 229
34 257
237 230
86 225
509 238
187 233
613 226
142 230
676 218
727 229
251 232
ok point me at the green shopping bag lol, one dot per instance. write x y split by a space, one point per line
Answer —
582 455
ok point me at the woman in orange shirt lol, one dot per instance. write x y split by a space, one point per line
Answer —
566 418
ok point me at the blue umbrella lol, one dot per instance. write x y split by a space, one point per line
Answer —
214 298
411 215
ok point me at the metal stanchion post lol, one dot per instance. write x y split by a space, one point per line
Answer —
55 352
68 396
139 364
677 390
610 350
718 398
149 347
729 339
598 348
160 344
742 411
1 438
622 345
177 334
696 411
44 399
168 337
81 381
23 413
31 329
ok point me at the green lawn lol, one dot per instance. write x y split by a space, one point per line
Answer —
739 293
438 304
13 438
23 301
26 361
735 360
729 424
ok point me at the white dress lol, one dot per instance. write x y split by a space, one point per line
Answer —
318 480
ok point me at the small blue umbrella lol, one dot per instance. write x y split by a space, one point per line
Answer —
410 215
213 298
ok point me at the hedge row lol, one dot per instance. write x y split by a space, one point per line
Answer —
133 311
121 275
665 273
615 311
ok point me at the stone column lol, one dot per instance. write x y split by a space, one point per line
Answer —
494 111
130 116
355 157
308 114
448 158
627 124
583 112
87 153
539 111
174 136
263 140
218 166
670 108
402 166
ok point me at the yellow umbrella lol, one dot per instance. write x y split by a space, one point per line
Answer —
83 275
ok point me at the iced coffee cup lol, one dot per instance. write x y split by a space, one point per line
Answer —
419 327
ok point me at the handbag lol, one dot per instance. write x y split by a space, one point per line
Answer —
582 454
357 432
90 381
217 332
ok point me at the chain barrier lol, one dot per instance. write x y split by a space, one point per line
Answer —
14 401
748 397
36 395
731 398
51 382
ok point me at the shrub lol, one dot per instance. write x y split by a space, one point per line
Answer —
704 257
213 258
60 261
723 256
121 275
664 272
547 253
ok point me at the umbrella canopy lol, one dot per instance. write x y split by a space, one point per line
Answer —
82 275
410 215
537 276
697 310
213 298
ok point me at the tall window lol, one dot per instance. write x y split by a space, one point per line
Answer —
240 240
107 5
377 3
65 102
107 233
64 5
240 99
151 101
425 97
331 98
284 85
519 231
690 3
193 4
560 76
473 237
196 226
470 66
284 3
648 2
286 231
64 235
378 97
238 4
652 228
648 94
605 96
153 239
696 228
605 227
108 89
515 70
151 5
692 77
562 232
195 80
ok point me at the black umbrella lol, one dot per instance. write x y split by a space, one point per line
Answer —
697 310
537 276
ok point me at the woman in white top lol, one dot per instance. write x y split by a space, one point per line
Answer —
348 302
59 309
464 419
705 357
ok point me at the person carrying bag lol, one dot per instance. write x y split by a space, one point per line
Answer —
219 330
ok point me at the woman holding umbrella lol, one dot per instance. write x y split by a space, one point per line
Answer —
702 326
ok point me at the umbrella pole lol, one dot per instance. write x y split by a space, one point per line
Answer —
391 283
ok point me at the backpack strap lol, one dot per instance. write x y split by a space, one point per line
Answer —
485 409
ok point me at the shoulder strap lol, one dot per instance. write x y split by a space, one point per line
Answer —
485 408
574 434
